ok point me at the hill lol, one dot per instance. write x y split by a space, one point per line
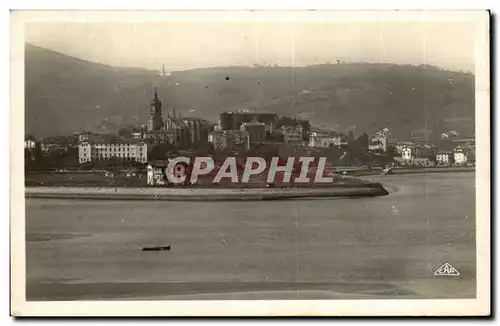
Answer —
65 94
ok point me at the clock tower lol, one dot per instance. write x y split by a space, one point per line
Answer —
155 121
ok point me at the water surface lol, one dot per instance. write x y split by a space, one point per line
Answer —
381 247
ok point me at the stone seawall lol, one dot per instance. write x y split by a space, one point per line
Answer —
206 194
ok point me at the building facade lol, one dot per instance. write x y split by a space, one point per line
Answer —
425 151
236 140
400 145
443 157
459 156
324 139
155 121
234 120
293 135
97 148
29 143
256 131
406 153
378 144
156 173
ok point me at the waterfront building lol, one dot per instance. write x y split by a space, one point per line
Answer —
29 143
324 139
99 147
425 151
405 156
400 145
443 157
469 147
406 153
422 162
459 156
50 144
156 173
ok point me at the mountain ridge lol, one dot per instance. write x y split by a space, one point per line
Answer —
65 94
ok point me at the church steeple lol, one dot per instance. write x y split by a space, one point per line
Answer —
155 116
155 103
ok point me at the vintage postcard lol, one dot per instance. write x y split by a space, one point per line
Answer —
250 163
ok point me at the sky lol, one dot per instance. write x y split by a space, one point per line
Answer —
185 45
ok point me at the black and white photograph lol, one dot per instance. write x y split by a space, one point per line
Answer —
250 163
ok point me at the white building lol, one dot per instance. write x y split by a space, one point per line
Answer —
83 137
378 143
324 139
157 172
406 153
97 149
29 144
459 156
443 157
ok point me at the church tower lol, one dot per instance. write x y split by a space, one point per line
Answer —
155 121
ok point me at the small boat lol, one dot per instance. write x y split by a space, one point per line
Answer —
156 248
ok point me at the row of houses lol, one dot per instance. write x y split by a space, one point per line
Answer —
50 144
456 151
251 133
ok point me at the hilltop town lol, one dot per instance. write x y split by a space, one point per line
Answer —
243 133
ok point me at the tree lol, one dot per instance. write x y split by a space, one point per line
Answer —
362 141
160 151
204 149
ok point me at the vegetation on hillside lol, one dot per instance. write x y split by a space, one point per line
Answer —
65 94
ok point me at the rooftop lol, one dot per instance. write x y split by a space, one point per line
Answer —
327 133
253 124
248 112
112 139
159 163
460 140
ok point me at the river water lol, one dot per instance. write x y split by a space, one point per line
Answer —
377 247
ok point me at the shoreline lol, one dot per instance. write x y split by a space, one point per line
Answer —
404 171
366 189
354 186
